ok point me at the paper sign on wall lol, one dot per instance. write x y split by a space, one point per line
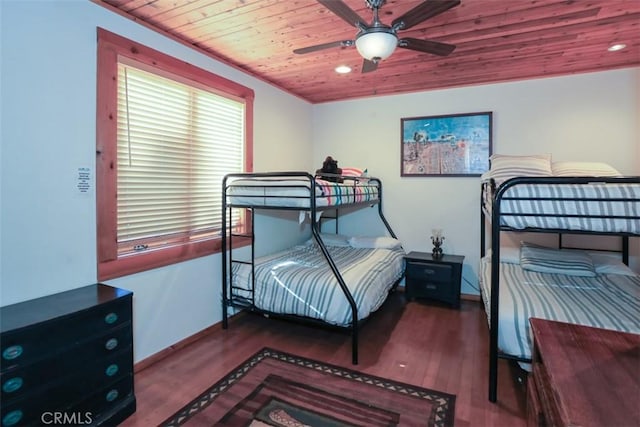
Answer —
84 181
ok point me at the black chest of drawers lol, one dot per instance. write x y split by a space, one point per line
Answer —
434 278
68 359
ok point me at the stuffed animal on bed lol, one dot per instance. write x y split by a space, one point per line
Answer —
330 166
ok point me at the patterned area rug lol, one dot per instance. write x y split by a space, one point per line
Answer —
273 388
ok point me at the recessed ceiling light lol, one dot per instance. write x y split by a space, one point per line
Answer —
343 69
617 46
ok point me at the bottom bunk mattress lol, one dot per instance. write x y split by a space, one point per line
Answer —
609 301
299 281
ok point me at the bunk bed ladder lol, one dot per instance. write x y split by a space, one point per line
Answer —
229 297
251 262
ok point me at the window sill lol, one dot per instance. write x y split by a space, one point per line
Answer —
138 263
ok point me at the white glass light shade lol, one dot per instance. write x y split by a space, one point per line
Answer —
376 45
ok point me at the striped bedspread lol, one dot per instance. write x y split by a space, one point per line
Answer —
578 210
295 192
609 301
299 281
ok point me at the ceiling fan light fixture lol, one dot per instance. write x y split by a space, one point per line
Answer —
376 45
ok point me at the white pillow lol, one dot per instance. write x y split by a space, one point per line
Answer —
331 239
504 167
375 242
606 263
583 169
548 260
508 254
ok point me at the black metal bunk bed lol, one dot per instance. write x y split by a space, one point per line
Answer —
493 197
303 194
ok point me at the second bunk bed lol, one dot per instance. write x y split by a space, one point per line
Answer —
332 279
590 288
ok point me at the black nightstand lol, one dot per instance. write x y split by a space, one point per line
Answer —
438 279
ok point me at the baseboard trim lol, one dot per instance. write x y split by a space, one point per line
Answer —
470 297
465 297
156 357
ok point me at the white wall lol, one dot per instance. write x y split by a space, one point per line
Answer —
588 117
48 128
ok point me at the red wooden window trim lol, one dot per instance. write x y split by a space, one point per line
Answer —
111 47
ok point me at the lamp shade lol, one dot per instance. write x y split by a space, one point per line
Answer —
376 45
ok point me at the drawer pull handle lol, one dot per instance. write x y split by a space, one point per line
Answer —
431 286
424 264
112 395
111 370
111 318
12 418
12 385
12 352
111 344
429 271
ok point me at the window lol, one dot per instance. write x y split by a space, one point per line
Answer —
167 133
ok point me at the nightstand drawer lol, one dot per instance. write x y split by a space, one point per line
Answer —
422 288
429 271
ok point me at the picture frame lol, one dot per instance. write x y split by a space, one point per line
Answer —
447 145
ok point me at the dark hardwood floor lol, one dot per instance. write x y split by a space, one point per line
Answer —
421 343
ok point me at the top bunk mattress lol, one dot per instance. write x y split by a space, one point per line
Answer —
608 207
263 190
535 193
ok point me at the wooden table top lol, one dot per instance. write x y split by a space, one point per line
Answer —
595 373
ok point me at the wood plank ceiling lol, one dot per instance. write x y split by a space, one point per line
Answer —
497 41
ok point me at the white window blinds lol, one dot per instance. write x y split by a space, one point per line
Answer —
175 144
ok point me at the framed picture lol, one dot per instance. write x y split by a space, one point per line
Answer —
451 145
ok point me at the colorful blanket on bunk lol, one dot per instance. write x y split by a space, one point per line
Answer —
299 281
348 192
609 301
296 192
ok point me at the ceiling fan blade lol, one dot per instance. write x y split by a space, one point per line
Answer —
342 43
369 66
422 12
345 12
428 46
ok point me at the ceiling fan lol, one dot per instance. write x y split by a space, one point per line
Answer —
378 41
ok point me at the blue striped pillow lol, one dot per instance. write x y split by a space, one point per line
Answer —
547 260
